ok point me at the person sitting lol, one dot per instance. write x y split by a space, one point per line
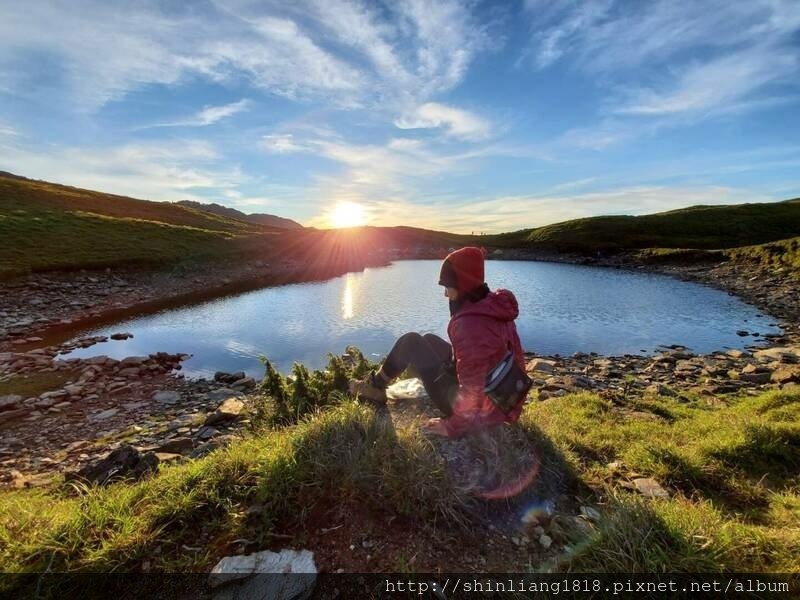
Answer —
481 332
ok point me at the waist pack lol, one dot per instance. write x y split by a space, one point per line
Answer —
507 384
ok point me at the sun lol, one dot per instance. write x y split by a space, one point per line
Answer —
347 214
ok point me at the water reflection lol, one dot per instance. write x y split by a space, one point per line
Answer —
347 296
563 309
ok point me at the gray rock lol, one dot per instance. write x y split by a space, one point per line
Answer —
246 383
133 361
590 513
222 394
223 377
102 416
206 432
757 378
123 463
649 487
121 336
203 449
10 401
177 445
284 575
167 397
782 354
8 415
785 375
541 365
227 411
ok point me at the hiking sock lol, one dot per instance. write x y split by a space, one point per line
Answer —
379 379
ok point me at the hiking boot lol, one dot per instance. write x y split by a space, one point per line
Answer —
368 388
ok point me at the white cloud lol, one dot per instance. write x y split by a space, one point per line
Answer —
6 131
281 144
447 40
684 57
348 53
168 170
455 122
208 115
717 83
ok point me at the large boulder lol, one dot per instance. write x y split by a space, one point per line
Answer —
284 575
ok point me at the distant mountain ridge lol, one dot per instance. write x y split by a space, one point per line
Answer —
232 213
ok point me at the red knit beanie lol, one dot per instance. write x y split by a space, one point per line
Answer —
463 269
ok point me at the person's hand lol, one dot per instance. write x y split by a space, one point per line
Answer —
436 426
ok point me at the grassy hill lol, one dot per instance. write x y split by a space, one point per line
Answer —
779 257
46 226
232 213
703 227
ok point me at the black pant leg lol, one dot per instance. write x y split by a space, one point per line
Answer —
431 358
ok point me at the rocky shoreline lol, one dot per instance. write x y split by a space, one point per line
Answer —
98 405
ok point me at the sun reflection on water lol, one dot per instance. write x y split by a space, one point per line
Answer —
347 296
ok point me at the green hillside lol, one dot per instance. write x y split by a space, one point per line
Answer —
704 227
781 257
46 226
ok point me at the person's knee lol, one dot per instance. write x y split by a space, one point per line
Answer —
410 339
437 344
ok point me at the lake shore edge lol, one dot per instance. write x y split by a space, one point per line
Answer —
95 403
141 410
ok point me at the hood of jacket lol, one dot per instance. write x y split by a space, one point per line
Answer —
500 304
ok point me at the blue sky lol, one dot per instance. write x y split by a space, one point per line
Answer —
464 116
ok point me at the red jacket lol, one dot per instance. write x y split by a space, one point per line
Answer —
481 333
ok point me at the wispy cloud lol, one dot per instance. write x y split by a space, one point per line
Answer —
455 122
349 53
283 143
6 131
672 57
397 168
717 84
167 170
207 116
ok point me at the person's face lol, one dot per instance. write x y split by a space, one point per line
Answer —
451 293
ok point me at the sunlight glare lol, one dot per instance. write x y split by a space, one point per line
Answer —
347 214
